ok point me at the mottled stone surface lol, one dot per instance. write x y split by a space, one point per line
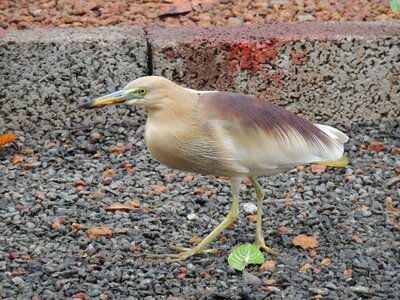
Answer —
46 73
340 72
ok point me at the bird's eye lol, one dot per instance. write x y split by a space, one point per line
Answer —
142 91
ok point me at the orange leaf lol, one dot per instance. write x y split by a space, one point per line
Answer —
252 218
269 282
76 227
357 239
326 262
285 230
306 242
95 232
122 207
120 150
135 203
318 168
305 268
7 138
194 240
17 160
56 224
121 231
269 265
109 172
161 189
348 272
389 205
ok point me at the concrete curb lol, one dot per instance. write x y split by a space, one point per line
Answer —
340 72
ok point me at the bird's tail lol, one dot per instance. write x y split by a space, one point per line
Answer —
335 157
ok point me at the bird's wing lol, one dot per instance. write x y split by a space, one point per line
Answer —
261 135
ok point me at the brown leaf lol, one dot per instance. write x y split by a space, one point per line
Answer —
135 249
285 230
389 205
95 232
79 182
76 227
17 160
300 168
326 262
376 146
357 239
318 168
170 176
120 150
135 203
158 188
269 266
348 272
25 257
305 268
364 207
270 282
56 224
223 240
252 218
194 240
188 178
121 231
122 207
26 152
110 172
182 272
305 241
7 138
177 7
199 191
395 151
81 296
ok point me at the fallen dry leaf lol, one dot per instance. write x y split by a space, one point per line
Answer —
312 253
17 160
376 146
76 227
110 172
194 240
395 151
223 240
318 168
357 239
252 218
7 138
135 203
270 282
326 262
120 150
95 232
56 224
285 230
305 241
188 178
182 273
198 191
79 182
364 207
158 188
300 168
25 257
121 231
26 152
269 266
81 296
389 205
348 272
305 268
176 7
122 207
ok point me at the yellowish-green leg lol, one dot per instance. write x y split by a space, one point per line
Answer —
259 235
229 219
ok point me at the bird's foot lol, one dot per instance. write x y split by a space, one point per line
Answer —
261 245
184 253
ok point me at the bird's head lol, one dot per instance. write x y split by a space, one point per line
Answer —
147 92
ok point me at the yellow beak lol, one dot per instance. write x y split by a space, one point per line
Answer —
110 99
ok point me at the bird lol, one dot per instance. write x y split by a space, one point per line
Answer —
225 134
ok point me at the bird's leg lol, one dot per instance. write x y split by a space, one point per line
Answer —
259 235
229 219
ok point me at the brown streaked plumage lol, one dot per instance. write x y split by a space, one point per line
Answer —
224 134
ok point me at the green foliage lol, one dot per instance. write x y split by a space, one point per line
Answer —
395 5
244 255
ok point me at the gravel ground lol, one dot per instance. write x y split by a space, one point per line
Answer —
24 14
60 182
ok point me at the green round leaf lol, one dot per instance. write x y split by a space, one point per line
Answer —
244 255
